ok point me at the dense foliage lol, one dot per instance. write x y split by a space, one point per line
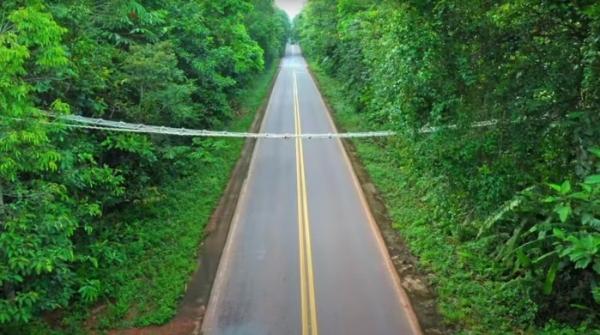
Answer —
67 196
506 213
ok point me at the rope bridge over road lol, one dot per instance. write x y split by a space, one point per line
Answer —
76 121
82 122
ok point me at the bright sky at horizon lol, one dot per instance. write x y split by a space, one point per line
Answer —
292 7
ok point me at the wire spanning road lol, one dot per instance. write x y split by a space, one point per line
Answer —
304 255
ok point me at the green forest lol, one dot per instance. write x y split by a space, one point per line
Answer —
494 179
90 218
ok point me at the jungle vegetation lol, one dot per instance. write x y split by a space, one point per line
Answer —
494 178
94 219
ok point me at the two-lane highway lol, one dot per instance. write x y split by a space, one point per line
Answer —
304 255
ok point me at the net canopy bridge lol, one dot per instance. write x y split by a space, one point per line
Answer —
76 121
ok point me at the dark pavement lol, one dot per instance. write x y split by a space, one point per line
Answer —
334 256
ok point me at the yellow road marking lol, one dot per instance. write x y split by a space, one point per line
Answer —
303 303
307 285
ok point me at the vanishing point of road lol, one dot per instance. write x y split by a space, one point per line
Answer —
304 255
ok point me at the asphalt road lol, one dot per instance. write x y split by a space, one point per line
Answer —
303 255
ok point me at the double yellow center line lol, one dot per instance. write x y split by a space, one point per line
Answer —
307 283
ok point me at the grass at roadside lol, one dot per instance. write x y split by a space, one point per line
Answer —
160 236
467 298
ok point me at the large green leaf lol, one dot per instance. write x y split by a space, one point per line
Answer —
593 179
550 278
563 212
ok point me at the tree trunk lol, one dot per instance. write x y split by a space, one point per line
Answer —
2 210
8 289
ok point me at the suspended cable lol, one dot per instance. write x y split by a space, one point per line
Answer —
82 122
